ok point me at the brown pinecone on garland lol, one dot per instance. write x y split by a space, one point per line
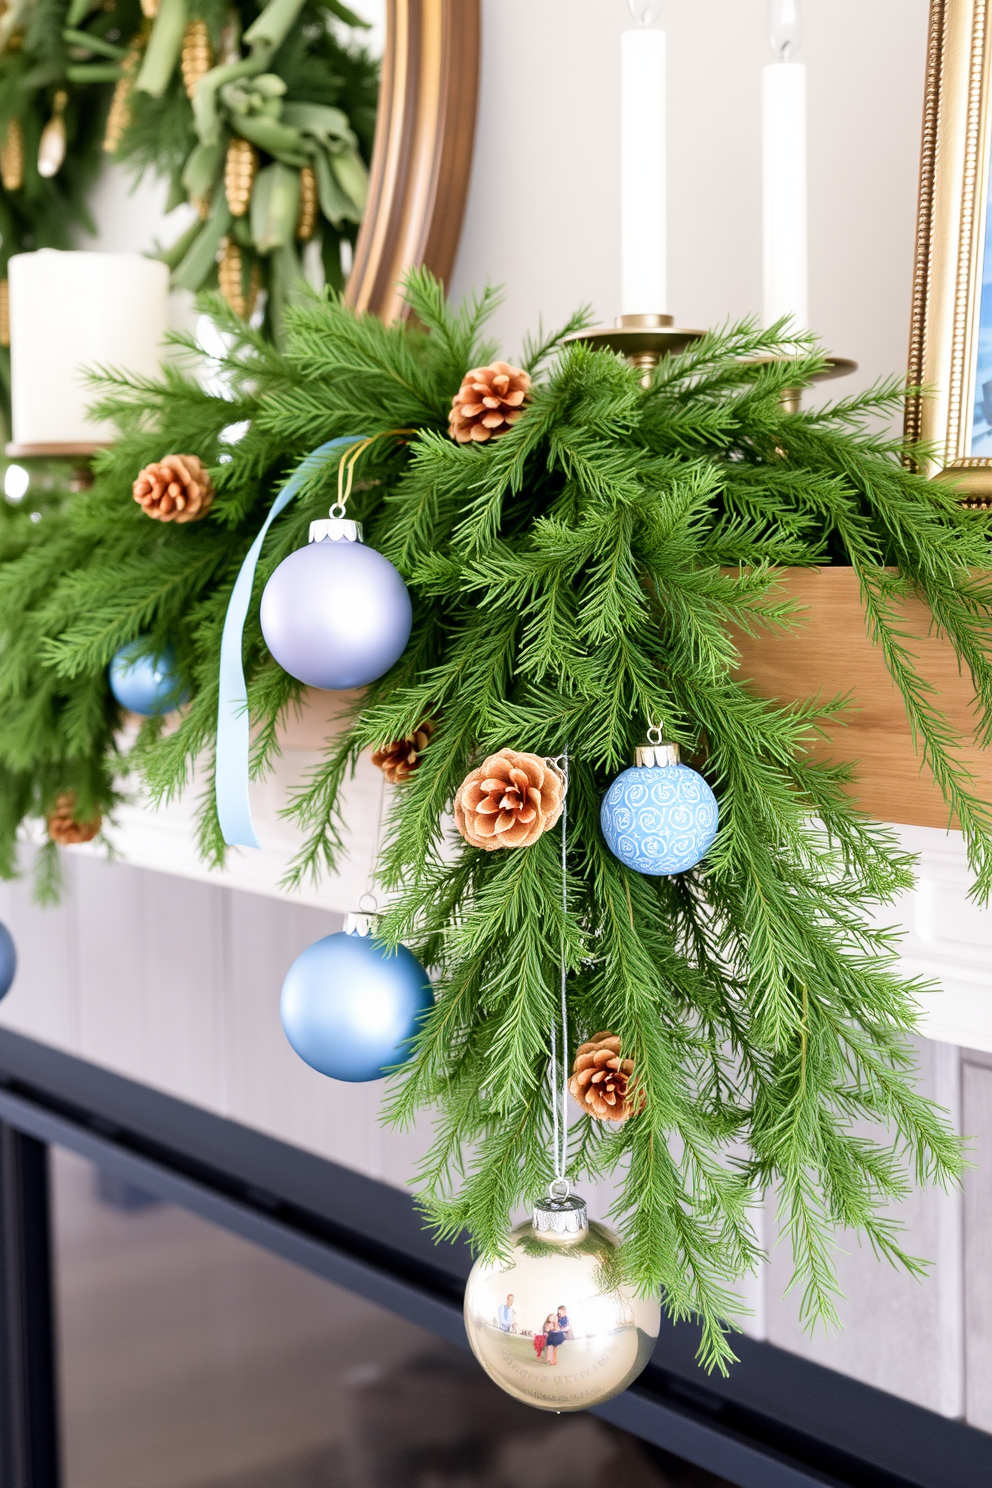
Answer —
601 1079
488 403
306 220
12 156
230 280
175 489
197 55
240 169
508 801
63 826
398 760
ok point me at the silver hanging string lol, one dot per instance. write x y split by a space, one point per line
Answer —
374 860
559 1188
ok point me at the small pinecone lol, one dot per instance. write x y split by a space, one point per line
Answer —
176 489
230 279
119 115
12 156
508 801
63 826
489 402
240 169
601 1079
306 220
4 312
398 760
197 55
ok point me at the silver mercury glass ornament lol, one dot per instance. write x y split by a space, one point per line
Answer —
551 1324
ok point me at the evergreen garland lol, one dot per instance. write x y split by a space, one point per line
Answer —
572 580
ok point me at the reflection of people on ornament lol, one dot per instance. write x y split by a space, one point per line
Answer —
540 1339
507 1316
557 1333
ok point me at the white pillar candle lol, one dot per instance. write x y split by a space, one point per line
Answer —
73 312
643 224
783 99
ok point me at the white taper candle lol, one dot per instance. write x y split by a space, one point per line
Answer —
643 216
783 95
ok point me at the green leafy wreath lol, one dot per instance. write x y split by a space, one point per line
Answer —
262 117
572 579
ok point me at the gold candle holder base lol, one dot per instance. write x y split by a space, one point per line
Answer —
79 455
642 339
791 399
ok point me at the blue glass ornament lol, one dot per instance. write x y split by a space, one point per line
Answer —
145 684
8 960
336 614
659 816
350 1005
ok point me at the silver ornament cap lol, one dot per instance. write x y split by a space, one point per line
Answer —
657 752
565 1218
360 922
335 529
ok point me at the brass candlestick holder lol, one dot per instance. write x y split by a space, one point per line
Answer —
791 399
645 339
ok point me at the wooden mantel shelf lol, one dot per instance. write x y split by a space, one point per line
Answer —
830 655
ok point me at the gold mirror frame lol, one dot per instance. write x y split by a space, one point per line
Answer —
422 159
954 177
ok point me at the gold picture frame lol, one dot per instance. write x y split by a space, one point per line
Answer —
948 356
424 142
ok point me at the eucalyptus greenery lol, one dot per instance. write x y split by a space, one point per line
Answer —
572 580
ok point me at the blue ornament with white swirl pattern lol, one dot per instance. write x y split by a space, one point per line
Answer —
659 817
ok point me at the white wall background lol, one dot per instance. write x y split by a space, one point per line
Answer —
177 983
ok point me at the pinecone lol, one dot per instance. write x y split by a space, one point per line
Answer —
119 115
230 280
12 156
197 55
398 760
175 489
306 220
4 312
508 801
489 402
601 1079
63 826
240 169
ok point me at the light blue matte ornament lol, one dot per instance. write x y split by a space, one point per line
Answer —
8 960
351 1005
145 684
336 614
659 817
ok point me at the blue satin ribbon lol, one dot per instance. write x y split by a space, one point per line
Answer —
233 731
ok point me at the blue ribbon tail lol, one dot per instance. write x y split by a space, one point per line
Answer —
233 725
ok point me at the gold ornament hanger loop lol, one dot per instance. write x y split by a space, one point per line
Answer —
346 468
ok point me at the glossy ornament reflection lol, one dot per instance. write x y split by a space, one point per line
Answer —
551 1325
